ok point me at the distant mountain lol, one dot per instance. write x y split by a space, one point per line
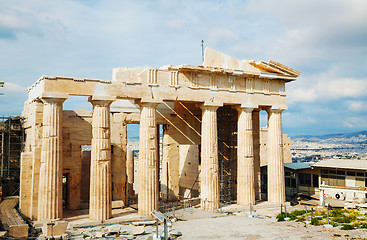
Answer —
361 134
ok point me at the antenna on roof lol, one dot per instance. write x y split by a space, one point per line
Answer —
202 51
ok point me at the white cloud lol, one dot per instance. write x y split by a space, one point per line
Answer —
326 86
301 95
357 106
340 88
296 120
218 35
314 29
13 87
356 122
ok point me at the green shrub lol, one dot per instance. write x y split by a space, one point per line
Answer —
356 224
353 215
280 217
342 219
347 227
363 225
316 221
298 212
336 213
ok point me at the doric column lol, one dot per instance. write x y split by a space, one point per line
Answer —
100 170
209 176
245 158
256 138
276 182
130 173
50 179
148 166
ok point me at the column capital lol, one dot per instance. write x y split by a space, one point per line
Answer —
53 97
148 102
245 107
275 109
210 105
101 100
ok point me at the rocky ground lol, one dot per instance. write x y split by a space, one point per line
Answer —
231 222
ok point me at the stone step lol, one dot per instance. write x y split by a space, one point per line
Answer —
11 219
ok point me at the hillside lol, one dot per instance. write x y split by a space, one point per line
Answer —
350 145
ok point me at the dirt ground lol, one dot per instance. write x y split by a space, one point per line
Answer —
231 222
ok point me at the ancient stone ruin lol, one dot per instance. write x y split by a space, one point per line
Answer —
210 147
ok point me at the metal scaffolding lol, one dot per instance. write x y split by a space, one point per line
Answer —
11 146
227 153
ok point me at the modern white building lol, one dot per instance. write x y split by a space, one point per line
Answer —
344 179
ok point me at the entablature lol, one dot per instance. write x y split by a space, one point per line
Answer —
228 80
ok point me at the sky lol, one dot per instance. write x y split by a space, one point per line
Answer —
325 39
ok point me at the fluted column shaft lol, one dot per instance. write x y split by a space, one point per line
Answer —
130 172
276 182
100 207
209 176
148 160
50 179
245 158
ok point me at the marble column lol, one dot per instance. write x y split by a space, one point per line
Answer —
209 176
50 178
130 173
100 202
148 194
256 139
245 158
276 182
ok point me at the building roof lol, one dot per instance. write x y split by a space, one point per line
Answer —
298 165
343 163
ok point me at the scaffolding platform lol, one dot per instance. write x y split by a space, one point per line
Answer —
11 146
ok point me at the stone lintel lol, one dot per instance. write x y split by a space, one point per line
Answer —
151 100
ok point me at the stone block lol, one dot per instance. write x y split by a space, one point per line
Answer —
54 228
117 204
138 230
18 231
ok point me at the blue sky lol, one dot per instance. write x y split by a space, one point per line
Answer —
326 40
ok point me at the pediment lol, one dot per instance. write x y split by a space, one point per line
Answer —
214 58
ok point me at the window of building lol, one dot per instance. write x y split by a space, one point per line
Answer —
334 177
340 181
304 179
360 174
